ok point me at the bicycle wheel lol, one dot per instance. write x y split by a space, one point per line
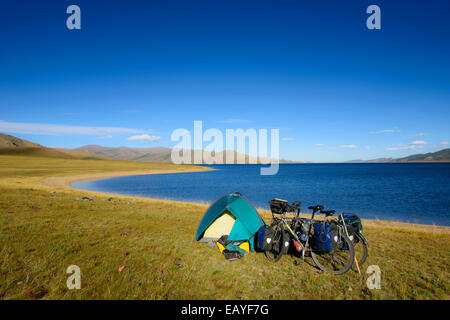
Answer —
276 252
360 248
339 260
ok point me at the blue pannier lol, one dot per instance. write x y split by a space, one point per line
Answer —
323 240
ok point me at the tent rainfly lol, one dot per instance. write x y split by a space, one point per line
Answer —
231 215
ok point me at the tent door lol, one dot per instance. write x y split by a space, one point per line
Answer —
222 225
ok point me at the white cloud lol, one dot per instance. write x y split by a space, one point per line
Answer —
400 148
351 146
144 137
368 147
287 139
56 129
413 145
385 131
403 147
444 143
419 134
319 144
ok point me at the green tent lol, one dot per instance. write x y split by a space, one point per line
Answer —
231 215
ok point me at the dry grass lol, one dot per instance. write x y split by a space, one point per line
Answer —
42 233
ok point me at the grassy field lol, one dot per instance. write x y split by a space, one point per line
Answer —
134 248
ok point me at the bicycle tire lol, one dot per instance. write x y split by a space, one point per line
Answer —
348 263
365 249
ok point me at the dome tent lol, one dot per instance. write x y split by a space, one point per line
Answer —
231 215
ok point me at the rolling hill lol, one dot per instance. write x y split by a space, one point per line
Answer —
13 145
7 141
155 154
438 156
441 155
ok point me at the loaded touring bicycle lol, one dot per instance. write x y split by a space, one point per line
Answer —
330 242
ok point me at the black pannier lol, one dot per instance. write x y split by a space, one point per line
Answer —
264 238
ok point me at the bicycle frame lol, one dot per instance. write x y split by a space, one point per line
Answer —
287 226
306 247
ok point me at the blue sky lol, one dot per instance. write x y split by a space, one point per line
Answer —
336 90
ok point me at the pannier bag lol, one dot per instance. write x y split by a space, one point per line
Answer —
264 238
278 206
352 220
284 248
325 237
287 241
233 250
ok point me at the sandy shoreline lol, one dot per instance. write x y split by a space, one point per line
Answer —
65 182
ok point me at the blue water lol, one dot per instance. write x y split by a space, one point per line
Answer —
409 192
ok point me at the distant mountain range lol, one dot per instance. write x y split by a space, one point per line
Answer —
159 154
155 154
441 155
13 145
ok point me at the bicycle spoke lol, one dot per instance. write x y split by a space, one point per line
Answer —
337 260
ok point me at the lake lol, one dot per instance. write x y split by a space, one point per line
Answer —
408 192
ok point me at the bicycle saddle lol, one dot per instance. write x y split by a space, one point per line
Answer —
316 208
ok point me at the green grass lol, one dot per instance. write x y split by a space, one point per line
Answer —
42 233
